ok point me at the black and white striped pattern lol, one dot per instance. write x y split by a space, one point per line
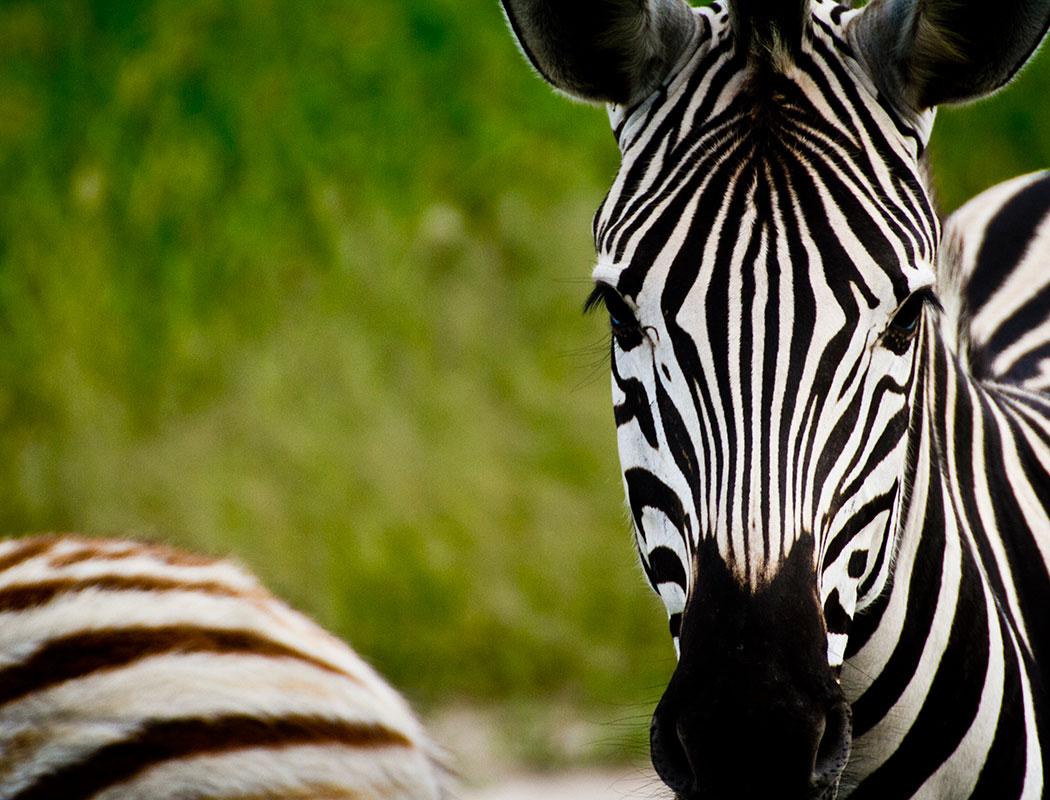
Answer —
138 672
994 265
834 433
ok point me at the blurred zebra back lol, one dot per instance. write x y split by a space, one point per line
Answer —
131 671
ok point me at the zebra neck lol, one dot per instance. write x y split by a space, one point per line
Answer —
940 612
970 583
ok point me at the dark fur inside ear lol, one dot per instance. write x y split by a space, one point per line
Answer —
925 53
602 50
763 25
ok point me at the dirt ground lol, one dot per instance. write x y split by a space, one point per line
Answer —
590 785
484 748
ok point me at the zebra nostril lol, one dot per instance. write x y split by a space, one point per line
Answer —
832 750
668 754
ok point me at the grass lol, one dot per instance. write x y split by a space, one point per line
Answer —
301 283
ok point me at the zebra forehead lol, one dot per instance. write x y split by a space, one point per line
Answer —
764 148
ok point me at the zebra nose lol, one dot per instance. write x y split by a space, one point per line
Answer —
832 751
696 761
752 709
669 756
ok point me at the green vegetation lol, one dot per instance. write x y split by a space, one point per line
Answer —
301 282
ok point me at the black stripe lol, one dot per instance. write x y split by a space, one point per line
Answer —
1005 240
963 442
804 315
1028 570
745 365
681 447
645 490
950 706
627 215
857 522
165 741
24 596
635 406
666 567
82 654
1032 313
1004 768
924 585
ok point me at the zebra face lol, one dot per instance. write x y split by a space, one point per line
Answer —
765 260
766 256
765 275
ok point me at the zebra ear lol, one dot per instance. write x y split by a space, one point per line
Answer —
614 51
926 52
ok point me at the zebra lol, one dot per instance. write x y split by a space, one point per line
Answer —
994 253
834 437
133 671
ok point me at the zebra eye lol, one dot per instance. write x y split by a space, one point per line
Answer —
906 320
625 327
905 323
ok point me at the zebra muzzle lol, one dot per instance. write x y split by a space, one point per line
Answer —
753 710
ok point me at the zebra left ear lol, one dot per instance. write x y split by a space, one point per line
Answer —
609 51
922 53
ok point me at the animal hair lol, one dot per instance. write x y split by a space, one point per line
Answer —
769 27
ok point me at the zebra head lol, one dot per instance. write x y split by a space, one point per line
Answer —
767 257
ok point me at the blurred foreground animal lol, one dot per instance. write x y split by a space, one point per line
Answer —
137 672
834 428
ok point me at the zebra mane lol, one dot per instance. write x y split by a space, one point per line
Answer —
766 28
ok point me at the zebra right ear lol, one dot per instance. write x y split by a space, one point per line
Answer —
612 51
922 53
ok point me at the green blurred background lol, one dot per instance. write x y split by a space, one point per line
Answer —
300 282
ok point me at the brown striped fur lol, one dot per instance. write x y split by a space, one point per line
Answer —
132 671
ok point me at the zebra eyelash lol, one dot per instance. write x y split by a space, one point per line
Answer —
626 330
929 298
619 312
595 298
915 302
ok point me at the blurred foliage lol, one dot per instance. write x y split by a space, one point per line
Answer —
301 281
976 146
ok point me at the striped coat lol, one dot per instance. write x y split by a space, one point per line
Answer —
134 671
832 423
